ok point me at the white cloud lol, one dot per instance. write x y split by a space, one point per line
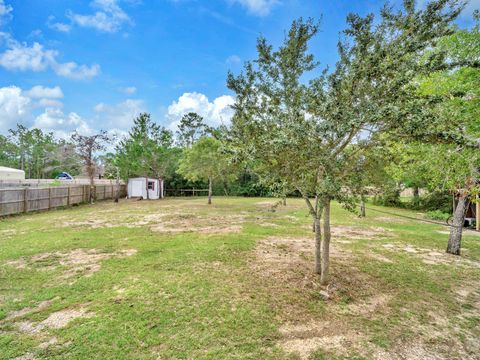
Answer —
45 102
120 115
214 113
128 90
74 71
62 27
21 57
14 107
257 7
41 107
5 11
109 17
62 125
233 60
45 92
44 97
467 12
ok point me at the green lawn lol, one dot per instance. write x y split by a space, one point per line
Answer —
178 279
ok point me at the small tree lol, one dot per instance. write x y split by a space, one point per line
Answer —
205 161
146 151
190 129
87 147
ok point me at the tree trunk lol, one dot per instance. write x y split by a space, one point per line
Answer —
416 193
148 195
326 242
318 244
316 202
284 201
362 208
117 187
455 238
209 191
416 196
92 189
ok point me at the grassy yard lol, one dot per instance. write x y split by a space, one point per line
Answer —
178 279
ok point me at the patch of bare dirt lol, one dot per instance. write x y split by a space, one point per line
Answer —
379 257
433 257
391 220
304 339
370 305
465 232
28 310
91 223
268 224
291 218
56 320
348 233
265 203
27 356
355 232
83 262
8 232
200 224
46 344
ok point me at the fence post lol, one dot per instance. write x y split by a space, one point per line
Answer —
49 198
478 213
25 200
68 196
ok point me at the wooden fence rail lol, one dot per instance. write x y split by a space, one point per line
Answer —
23 200
186 192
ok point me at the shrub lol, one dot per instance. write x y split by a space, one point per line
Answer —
438 215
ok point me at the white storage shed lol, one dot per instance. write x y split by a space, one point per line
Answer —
138 187
11 174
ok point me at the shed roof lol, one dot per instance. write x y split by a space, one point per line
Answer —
10 170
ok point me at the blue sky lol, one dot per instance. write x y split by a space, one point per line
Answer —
89 65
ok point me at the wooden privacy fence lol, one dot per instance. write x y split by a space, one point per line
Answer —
53 182
15 201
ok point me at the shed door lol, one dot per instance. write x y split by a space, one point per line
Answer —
137 188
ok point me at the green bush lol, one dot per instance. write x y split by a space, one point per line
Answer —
438 215
389 197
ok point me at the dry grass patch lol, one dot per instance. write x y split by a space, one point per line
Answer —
84 262
56 320
284 265
199 223
305 339
391 220
28 310
433 257
90 223
465 232
356 232
347 233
